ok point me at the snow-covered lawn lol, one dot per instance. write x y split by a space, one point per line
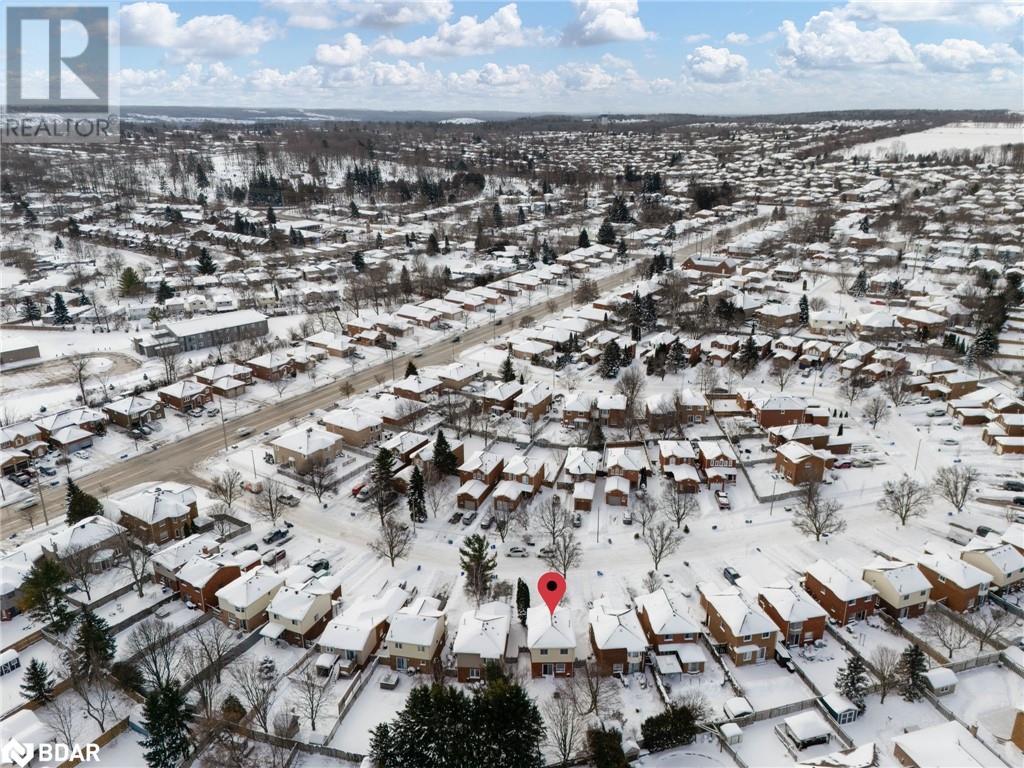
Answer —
984 690
10 684
123 752
768 685
822 664
373 706
761 746
881 722
703 753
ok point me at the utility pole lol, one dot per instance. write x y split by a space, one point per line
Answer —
42 501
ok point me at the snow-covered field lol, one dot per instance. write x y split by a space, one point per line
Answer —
946 137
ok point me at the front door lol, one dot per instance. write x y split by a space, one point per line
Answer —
547 670
401 663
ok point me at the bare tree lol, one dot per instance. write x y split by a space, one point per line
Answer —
100 697
593 693
76 562
885 663
134 557
644 512
267 505
566 727
551 518
707 377
78 365
904 498
28 515
817 515
393 542
853 386
170 359
586 291
897 387
505 519
989 623
661 540
630 385
255 690
436 495
322 478
954 483
564 553
312 694
280 384
155 649
781 372
194 668
227 488
62 718
876 410
678 507
944 630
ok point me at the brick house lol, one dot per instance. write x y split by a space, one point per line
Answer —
533 401
156 514
501 396
669 630
617 638
665 411
717 462
171 559
129 412
356 427
419 388
800 464
1005 433
581 466
272 366
956 583
551 641
202 577
482 638
303 447
775 410
616 491
844 597
799 618
741 630
628 462
185 395
355 634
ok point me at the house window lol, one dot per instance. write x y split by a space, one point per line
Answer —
746 638
559 669
765 635
543 651
474 673
693 666
667 638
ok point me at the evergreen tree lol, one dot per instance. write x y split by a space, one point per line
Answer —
584 239
80 504
205 263
606 234
805 310
595 438
511 726
37 682
410 369
445 460
620 249
860 284
478 564
30 311
358 262
130 284
497 216
42 594
417 496
611 360
677 357
985 344
432 245
73 229
163 292
202 181
507 372
852 681
405 281
166 717
58 244
522 600
910 672
675 726
749 355
94 646
271 216
382 475
60 310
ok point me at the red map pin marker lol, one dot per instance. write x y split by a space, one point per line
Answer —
551 587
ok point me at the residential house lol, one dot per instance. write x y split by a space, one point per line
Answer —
799 463
1003 563
157 513
617 637
902 589
799 618
956 583
272 366
185 395
204 575
356 427
482 638
242 603
169 561
741 630
845 597
355 634
418 388
671 631
717 462
303 447
302 607
628 462
131 411
551 640
533 401
416 635
500 397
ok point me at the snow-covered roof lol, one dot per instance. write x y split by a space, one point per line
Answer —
350 629
484 631
664 616
960 572
306 440
844 585
415 624
547 630
615 626
947 745
742 618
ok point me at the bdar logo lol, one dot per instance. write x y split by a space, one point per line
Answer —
14 752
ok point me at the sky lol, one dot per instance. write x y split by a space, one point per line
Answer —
576 56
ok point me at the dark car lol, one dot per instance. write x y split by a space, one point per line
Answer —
1019 501
983 530
456 516
731 574
1014 485
320 565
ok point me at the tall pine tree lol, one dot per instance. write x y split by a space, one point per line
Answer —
910 672
445 460
37 682
417 496
60 310
522 600
205 265
166 717
507 372
94 646
42 594
30 311
80 504
852 681
805 310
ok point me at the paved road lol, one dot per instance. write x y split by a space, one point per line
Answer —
174 461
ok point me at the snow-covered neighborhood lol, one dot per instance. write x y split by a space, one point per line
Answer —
296 413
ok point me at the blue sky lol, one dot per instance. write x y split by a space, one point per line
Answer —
575 56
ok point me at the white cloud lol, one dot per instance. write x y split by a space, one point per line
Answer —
829 41
467 37
737 38
306 14
700 37
997 14
959 55
716 65
349 52
223 36
516 79
576 76
605 21
306 78
396 13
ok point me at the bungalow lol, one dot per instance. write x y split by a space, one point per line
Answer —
185 395
419 388
95 538
80 419
739 629
355 634
305 446
272 366
404 444
482 638
300 610
356 427
669 630
943 746
242 603
956 583
902 589
800 464
501 396
416 635
213 373
617 637
845 597
455 376
1005 432
1003 563
156 514
129 412
551 641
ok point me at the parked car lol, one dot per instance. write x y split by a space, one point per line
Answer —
731 574
275 535
627 518
420 518
722 498
486 521
364 493
577 520
274 557
1019 501
83 455
1014 485
949 441
546 551
516 551
243 431
935 412
321 565
455 517
253 486
212 411
468 519
983 530
358 487
843 464
50 471
288 499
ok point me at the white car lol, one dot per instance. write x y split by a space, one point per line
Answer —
516 551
